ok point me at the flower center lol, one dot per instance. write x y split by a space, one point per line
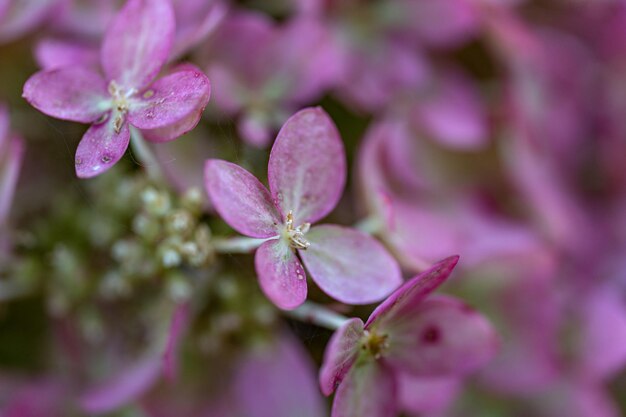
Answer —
121 103
375 343
295 235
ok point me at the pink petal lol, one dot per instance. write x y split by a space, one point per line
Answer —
412 293
122 388
172 99
341 352
138 42
307 166
277 380
281 275
54 53
350 265
368 390
240 199
427 396
101 147
72 93
438 337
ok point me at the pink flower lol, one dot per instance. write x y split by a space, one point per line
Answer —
307 174
135 48
17 17
405 336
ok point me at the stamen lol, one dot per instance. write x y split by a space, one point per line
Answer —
296 235
120 102
375 343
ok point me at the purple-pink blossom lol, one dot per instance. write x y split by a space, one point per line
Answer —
307 174
127 93
407 335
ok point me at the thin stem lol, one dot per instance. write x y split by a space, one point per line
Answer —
319 315
238 244
144 155
371 225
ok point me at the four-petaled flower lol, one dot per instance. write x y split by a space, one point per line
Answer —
136 46
405 336
307 175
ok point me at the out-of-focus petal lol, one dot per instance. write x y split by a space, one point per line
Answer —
454 115
101 147
180 321
341 352
426 396
21 16
307 166
602 350
350 265
73 93
369 390
195 20
438 337
277 380
240 199
281 275
55 53
138 42
405 298
122 388
171 99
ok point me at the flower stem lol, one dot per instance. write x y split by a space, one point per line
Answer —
371 225
319 315
144 155
238 244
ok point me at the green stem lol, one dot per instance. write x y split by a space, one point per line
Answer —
144 155
238 244
317 314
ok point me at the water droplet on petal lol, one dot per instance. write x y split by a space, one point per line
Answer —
106 159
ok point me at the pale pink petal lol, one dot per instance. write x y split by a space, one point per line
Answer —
171 99
440 336
341 352
122 388
277 380
55 53
72 93
350 265
426 396
368 390
307 166
412 293
240 199
138 42
101 147
281 275
174 131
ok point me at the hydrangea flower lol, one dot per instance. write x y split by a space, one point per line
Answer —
136 46
307 174
405 335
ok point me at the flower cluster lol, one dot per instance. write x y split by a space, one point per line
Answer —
266 196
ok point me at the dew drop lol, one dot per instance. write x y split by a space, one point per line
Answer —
106 159
148 94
